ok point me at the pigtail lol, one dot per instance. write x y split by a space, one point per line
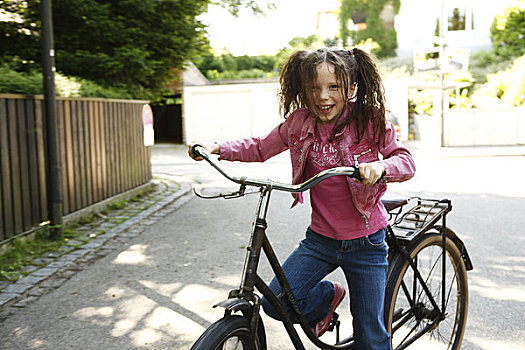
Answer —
291 94
370 99
354 66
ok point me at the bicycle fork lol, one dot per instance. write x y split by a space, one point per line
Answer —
244 299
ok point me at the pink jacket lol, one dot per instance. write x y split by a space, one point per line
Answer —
297 135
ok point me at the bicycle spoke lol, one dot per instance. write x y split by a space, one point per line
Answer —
408 336
403 320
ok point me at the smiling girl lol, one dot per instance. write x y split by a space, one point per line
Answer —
333 103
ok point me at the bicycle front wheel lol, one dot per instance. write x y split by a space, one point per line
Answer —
230 333
409 315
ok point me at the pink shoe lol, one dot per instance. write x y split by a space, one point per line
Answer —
322 326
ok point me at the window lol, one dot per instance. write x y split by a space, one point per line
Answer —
457 19
460 18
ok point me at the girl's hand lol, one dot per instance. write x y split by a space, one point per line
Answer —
212 148
371 173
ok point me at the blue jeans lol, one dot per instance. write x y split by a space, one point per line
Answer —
363 261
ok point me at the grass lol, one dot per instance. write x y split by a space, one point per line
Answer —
25 252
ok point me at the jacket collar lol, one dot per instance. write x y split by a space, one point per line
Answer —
311 122
308 126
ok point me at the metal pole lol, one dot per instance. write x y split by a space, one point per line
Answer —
54 193
442 52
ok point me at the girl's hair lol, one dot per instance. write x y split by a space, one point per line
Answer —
355 66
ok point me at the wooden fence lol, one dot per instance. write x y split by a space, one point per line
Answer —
102 153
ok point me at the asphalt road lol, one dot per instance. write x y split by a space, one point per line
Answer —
156 291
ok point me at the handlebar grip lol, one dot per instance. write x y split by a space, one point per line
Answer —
357 174
196 150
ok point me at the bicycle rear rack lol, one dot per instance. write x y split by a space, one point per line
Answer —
420 217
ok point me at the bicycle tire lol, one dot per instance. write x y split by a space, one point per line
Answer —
232 333
403 317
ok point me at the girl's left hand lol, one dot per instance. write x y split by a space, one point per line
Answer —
371 173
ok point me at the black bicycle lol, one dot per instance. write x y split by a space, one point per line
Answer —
426 297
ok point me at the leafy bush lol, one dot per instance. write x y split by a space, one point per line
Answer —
242 74
483 63
507 86
508 31
13 82
227 66
31 83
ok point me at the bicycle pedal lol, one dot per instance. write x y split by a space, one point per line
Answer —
334 322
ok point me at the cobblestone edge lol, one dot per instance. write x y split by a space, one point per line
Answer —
53 274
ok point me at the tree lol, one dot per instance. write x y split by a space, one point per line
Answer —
507 32
131 43
369 12
310 42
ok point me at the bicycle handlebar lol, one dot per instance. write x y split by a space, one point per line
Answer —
352 171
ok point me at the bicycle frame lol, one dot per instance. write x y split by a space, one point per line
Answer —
250 279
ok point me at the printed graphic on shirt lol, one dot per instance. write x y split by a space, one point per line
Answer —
324 155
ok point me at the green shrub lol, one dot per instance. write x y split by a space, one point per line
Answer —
13 82
507 86
227 66
31 83
483 63
242 74
508 31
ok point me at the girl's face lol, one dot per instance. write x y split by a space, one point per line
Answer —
327 94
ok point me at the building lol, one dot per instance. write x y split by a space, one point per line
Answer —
466 23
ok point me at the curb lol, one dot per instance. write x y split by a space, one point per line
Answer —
57 271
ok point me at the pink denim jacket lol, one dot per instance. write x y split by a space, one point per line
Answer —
296 133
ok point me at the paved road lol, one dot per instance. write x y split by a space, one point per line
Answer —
156 291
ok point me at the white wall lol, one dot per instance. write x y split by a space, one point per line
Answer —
225 112
396 94
485 127
228 112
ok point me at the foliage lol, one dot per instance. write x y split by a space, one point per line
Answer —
22 252
370 12
483 63
507 31
227 66
234 5
369 45
30 83
13 82
136 43
507 86
130 46
241 74
310 42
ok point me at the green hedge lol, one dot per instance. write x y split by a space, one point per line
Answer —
508 31
31 83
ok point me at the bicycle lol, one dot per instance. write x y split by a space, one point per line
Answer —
426 290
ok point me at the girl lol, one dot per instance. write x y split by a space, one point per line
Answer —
334 107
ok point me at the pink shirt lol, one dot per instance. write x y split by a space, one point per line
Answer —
333 212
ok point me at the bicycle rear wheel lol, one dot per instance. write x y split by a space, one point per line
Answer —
230 333
408 309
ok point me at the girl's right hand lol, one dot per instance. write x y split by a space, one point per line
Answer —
211 148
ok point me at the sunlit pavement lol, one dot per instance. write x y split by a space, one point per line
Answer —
156 291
